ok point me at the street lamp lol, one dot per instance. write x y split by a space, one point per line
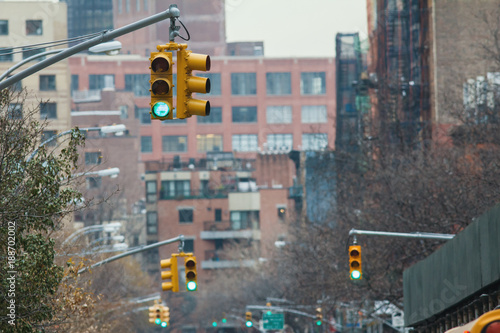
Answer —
110 227
110 48
111 172
103 129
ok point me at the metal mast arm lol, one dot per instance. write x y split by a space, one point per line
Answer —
402 234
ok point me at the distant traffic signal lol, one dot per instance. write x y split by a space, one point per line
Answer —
269 312
188 84
161 85
171 274
165 316
248 318
191 275
214 323
487 323
355 271
319 316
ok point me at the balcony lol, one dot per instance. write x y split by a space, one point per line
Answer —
216 259
195 194
295 192
229 230
86 96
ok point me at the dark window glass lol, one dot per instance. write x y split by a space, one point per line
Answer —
152 223
243 83
312 83
151 190
244 114
189 245
144 115
93 182
6 54
101 81
215 89
15 111
138 83
4 27
93 158
47 135
146 144
175 188
47 82
48 110
28 52
34 27
75 85
215 116
185 216
16 86
279 83
174 143
218 214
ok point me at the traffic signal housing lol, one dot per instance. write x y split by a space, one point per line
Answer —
248 319
161 85
155 313
319 316
355 271
190 269
171 275
487 323
188 84
165 316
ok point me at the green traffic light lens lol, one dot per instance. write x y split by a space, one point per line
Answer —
355 275
214 324
249 324
191 286
224 320
318 323
161 109
163 324
157 321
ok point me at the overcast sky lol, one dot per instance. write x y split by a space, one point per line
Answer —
293 28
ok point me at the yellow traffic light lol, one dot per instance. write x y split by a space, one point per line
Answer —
161 85
165 316
248 319
191 276
319 316
355 271
487 323
155 313
171 274
188 84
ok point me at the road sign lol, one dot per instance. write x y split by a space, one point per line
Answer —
273 321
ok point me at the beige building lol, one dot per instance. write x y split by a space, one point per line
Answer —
23 24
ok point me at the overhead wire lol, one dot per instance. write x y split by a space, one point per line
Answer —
189 36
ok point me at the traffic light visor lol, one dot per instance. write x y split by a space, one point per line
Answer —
199 62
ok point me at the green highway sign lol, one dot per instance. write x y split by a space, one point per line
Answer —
273 321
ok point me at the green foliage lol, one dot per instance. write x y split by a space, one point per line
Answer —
34 198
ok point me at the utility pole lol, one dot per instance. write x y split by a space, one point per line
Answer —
171 12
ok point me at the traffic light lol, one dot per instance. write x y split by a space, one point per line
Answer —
214 323
155 313
190 266
248 317
487 323
161 85
268 310
171 274
355 262
319 316
165 316
188 84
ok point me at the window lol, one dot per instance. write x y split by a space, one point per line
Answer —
314 141
244 220
209 142
215 89
93 182
127 6
138 5
174 143
188 245
244 114
146 5
16 86
48 110
312 83
47 82
138 83
34 27
218 215
279 83
175 188
279 114
151 223
93 158
123 111
101 81
15 111
4 27
245 142
75 82
280 141
185 216
314 114
146 144
215 116
29 52
47 135
6 54
243 84
120 7
144 115
151 195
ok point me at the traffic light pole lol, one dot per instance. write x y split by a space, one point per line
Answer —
171 12
421 235
180 238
